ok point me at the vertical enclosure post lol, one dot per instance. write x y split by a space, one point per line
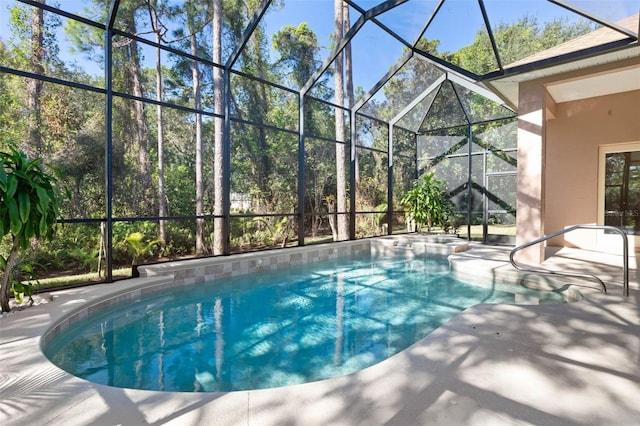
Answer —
108 76
390 181
226 165
301 169
485 196
469 183
352 175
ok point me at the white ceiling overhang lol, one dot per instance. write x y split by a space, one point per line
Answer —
625 79
618 81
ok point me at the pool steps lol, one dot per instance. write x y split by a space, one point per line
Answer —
420 245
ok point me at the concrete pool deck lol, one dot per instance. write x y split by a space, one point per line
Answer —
571 364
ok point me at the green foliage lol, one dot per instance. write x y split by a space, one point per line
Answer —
517 40
452 225
138 246
261 231
298 47
427 202
263 159
277 229
20 40
75 248
29 210
134 242
12 124
180 239
29 206
381 215
23 286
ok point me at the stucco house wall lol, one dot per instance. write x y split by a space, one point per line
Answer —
558 161
573 139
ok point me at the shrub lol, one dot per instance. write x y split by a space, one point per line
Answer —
427 202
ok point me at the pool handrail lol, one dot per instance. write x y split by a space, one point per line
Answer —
625 255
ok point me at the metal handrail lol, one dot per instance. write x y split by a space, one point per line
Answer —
625 251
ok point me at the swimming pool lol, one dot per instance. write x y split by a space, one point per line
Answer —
269 329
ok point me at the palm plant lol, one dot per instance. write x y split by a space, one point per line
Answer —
139 247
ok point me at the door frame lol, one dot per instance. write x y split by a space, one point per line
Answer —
610 242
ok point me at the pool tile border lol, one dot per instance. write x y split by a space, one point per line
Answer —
194 271
122 295
169 275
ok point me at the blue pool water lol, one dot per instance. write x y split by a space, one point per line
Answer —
313 322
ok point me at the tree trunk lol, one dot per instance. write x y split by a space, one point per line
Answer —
142 131
35 86
162 202
317 202
5 287
197 96
331 209
341 178
348 65
218 162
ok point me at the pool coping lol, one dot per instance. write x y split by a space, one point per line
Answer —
422 384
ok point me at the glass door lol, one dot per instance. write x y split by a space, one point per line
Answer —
619 194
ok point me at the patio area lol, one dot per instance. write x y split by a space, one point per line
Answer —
570 364
216 131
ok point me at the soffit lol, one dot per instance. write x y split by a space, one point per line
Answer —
508 87
597 85
624 80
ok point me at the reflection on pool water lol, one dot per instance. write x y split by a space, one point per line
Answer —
314 322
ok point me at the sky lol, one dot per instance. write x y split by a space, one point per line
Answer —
375 51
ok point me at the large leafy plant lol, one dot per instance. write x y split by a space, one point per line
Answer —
427 203
28 209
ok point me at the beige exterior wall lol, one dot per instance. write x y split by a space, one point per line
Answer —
531 165
573 139
567 178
